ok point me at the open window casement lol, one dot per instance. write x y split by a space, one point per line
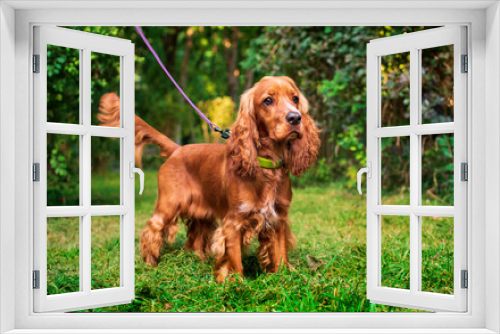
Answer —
415 49
80 133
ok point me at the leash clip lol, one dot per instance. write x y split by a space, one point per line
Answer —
223 133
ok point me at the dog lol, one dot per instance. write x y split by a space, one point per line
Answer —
221 191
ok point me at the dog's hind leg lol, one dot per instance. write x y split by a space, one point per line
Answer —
200 232
163 224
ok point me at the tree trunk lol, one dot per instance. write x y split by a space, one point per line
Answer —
249 78
188 44
231 53
170 47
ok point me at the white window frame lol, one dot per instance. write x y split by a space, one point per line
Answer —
412 44
483 21
123 50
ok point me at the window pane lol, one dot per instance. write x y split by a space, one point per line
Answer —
437 84
395 170
395 249
105 79
437 169
63 85
63 255
105 187
63 170
437 254
395 89
105 252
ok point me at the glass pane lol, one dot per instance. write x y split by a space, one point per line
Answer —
395 251
105 79
63 255
437 254
105 252
395 170
395 89
63 85
437 169
105 186
63 171
437 84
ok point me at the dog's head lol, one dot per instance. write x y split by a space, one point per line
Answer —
274 109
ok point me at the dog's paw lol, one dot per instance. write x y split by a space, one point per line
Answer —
152 260
221 273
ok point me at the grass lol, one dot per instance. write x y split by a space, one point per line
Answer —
329 223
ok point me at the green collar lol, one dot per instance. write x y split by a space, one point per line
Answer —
266 163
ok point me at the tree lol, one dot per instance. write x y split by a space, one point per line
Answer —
211 63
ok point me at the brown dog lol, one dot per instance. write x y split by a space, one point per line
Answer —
204 183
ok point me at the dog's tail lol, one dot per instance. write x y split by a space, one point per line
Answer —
109 115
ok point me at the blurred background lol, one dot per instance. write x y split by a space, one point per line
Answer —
214 65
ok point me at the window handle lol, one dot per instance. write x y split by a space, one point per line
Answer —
141 175
368 171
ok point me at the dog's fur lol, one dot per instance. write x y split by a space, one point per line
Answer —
207 183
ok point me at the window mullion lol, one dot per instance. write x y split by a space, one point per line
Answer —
415 166
81 178
86 245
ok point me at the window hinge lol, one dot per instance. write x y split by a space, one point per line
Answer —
465 64
36 63
36 279
465 279
464 171
36 172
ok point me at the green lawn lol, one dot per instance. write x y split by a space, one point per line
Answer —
329 223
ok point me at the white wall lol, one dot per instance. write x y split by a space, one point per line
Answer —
492 164
7 160
283 17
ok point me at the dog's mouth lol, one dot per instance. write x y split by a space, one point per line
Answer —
294 134
287 137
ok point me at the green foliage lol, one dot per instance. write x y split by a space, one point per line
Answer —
437 168
328 64
395 89
62 170
395 166
437 84
220 111
63 85
320 173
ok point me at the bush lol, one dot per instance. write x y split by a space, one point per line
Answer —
320 173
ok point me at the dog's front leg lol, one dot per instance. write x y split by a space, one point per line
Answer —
227 245
274 246
286 240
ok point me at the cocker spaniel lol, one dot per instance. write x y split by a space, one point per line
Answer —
229 194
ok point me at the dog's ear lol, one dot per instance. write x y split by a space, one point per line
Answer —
304 150
241 148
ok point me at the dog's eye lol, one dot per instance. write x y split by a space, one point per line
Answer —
268 101
295 99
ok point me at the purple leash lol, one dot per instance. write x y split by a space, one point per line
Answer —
224 133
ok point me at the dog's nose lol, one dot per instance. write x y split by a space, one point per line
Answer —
293 118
